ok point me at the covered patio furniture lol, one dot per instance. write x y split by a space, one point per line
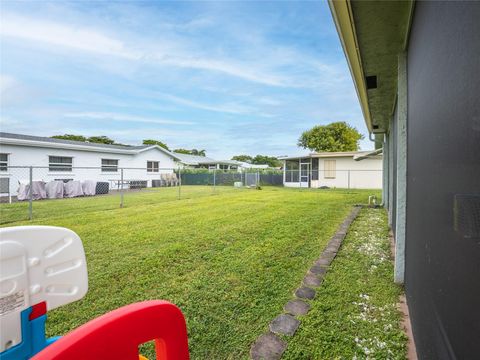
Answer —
72 189
174 179
89 187
54 189
38 190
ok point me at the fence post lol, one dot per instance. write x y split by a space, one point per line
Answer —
179 183
30 195
214 179
121 188
348 179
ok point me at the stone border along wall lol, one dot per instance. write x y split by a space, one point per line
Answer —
270 346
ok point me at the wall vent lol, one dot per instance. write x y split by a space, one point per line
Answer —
371 82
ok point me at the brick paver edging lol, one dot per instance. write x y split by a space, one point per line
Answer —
270 346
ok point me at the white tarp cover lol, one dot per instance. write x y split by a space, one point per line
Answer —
54 189
72 189
38 190
88 187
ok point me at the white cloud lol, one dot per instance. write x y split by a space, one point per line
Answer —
124 117
15 93
229 108
94 41
84 39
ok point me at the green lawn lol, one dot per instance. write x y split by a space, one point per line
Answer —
230 261
354 314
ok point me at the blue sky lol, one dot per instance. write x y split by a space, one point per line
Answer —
229 77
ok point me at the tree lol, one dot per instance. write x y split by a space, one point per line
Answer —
198 152
155 142
337 136
70 137
243 158
93 139
101 140
191 152
269 160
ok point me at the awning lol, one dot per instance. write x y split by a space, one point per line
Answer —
368 155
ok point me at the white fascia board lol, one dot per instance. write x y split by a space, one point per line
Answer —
45 144
169 153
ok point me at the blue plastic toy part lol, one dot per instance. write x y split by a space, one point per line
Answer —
33 338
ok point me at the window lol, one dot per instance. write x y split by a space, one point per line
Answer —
330 169
3 162
223 167
152 166
60 163
109 165
315 169
292 171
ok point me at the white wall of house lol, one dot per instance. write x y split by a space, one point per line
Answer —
363 174
19 155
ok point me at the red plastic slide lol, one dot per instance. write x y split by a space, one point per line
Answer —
118 334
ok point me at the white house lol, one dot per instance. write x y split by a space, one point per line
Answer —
353 170
195 161
64 159
205 162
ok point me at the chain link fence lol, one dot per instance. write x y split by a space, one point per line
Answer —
28 193
334 179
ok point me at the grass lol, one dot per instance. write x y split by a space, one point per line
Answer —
354 314
49 209
230 261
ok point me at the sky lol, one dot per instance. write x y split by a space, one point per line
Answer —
229 77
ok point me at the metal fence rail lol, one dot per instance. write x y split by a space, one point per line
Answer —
28 192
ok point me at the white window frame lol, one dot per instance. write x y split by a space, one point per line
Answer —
330 172
62 167
108 168
4 163
153 169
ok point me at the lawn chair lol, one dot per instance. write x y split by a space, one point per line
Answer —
5 188
44 267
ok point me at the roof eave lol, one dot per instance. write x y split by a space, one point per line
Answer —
158 147
343 18
22 142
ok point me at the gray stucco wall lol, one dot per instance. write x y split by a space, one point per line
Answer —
442 262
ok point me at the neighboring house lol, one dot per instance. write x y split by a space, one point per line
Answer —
66 159
204 162
58 159
334 169
416 69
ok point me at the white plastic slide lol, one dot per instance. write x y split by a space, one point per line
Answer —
37 264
